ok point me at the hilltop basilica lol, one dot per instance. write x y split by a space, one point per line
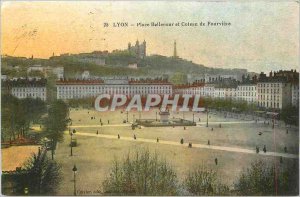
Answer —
138 49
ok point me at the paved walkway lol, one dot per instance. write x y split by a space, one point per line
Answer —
104 125
221 148
126 124
226 122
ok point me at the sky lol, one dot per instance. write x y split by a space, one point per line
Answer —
263 36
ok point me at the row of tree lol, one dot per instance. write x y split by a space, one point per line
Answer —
18 114
290 115
147 174
228 105
56 122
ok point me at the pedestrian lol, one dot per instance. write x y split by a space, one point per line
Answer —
285 149
184 128
216 161
118 136
100 120
190 145
181 141
97 132
208 142
107 121
157 140
220 125
134 136
265 149
257 149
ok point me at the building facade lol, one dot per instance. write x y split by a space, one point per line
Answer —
28 88
74 89
246 92
59 72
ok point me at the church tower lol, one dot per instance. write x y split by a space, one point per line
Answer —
144 49
175 50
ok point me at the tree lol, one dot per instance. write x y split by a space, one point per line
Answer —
143 174
43 175
203 181
263 179
56 123
18 114
290 115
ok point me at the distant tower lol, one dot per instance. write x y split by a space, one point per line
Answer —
175 50
144 48
137 48
129 46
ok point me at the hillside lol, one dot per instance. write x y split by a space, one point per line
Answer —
115 64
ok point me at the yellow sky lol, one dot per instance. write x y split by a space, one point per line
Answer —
263 36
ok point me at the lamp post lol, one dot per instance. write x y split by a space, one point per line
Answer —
74 172
207 117
71 145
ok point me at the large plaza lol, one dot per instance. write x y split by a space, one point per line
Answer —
231 139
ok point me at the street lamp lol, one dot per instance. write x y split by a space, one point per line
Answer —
207 117
74 172
71 145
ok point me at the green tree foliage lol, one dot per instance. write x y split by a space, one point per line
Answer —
36 73
290 115
82 102
203 181
178 78
43 175
263 179
18 114
57 121
228 104
141 174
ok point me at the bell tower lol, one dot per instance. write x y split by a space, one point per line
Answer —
175 50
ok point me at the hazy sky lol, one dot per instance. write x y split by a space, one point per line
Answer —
263 36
